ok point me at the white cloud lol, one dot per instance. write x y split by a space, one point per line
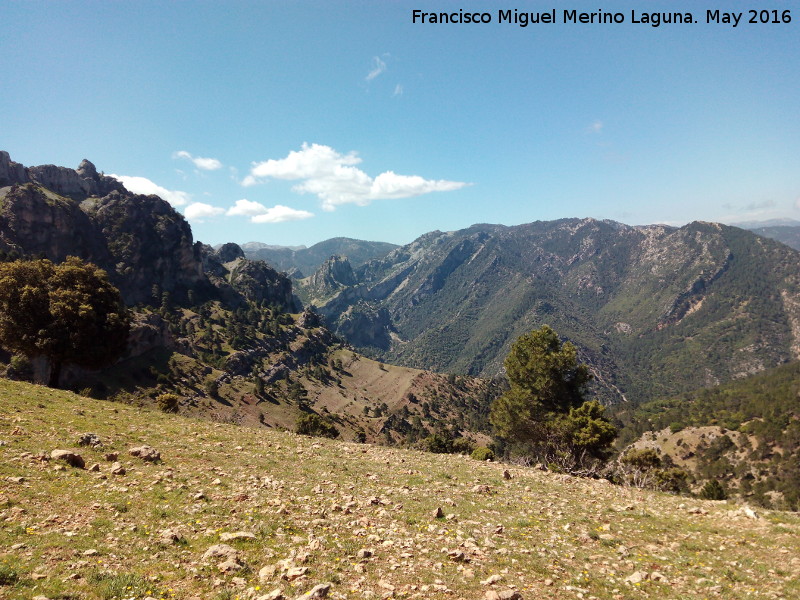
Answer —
197 211
378 67
596 127
398 90
259 213
797 203
246 208
760 205
280 213
206 164
334 179
142 185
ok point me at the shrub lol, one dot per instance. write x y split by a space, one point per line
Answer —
462 445
482 453
714 490
672 480
20 368
438 444
644 459
211 386
314 425
168 403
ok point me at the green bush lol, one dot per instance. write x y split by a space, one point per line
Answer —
644 459
713 490
314 425
20 368
438 444
211 386
168 403
673 480
482 453
462 445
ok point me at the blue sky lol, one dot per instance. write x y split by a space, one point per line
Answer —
292 122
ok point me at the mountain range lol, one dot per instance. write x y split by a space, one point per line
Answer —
299 260
654 310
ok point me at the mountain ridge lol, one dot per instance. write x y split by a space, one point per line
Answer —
456 300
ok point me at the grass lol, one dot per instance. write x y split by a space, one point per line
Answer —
315 503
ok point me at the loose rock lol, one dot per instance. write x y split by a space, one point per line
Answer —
146 453
71 458
318 591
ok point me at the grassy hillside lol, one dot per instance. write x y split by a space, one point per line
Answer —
305 512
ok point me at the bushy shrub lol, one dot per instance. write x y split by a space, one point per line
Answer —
211 386
168 403
482 453
438 444
643 460
314 425
20 368
713 490
462 445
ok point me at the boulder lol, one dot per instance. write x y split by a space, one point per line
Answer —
146 453
71 458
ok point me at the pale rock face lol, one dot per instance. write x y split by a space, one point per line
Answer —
78 184
334 273
10 171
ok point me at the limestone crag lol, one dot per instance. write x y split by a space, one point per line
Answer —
144 245
10 171
151 245
259 282
334 274
35 222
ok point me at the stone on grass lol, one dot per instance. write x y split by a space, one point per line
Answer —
230 566
636 577
295 573
318 591
169 537
221 551
239 535
90 439
71 458
504 595
146 453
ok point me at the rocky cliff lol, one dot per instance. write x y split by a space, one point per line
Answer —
141 241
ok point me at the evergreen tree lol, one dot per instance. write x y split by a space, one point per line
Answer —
68 313
543 413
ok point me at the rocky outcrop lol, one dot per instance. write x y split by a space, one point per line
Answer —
151 245
229 252
259 282
77 184
10 171
334 274
364 325
143 244
36 222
